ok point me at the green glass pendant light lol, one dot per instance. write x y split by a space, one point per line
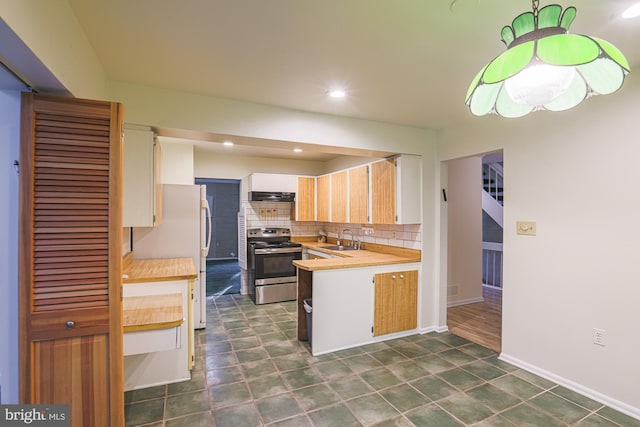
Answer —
545 67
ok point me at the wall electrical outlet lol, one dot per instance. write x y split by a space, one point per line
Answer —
598 337
527 228
368 231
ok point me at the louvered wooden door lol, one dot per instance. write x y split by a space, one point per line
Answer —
70 257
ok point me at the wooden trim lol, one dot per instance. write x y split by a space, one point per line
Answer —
25 232
116 344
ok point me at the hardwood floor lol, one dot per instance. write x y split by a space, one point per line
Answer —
479 322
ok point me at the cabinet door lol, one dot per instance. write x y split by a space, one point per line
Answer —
383 192
305 199
359 195
406 297
396 302
141 178
70 261
324 198
339 197
384 304
409 189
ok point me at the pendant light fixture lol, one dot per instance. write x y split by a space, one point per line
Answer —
545 67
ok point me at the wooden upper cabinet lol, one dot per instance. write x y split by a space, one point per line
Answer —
70 262
383 192
305 207
396 302
359 195
323 186
396 190
339 197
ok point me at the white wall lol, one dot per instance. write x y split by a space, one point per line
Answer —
212 165
9 151
576 173
52 32
164 108
177 163
464 200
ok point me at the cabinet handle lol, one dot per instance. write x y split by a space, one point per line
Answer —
402 276
70 324
393 276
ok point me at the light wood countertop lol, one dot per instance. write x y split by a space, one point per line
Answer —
143 313
153 270
371 255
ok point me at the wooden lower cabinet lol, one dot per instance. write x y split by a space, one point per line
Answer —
396 302
70 260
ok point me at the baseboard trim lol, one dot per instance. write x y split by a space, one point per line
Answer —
438 329
465 301
578 388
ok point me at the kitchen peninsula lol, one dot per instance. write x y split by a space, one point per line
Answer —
359 296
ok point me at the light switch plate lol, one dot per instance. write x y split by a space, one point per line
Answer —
527 228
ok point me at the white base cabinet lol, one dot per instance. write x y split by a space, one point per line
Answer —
157 367
343 307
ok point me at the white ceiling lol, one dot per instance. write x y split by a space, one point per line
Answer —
407 62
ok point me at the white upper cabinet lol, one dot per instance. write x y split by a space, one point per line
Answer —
141 179
273 182
408 189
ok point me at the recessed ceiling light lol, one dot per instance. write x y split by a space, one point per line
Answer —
337 93
632 12
228 143
297 150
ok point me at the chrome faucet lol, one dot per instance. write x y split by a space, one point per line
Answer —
340 234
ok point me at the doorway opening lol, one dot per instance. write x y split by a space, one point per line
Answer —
474 230
223 272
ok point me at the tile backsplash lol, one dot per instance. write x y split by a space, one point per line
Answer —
269 214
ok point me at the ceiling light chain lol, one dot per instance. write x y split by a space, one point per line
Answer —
534 6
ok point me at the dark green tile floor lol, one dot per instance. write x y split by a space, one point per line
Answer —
251 371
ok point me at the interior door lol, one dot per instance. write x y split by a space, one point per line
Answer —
70 259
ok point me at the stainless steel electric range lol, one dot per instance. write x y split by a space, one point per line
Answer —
270 256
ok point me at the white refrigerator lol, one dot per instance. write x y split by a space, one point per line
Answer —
185 232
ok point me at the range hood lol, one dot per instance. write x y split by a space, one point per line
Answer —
271 196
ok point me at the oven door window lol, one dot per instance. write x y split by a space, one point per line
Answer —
276 265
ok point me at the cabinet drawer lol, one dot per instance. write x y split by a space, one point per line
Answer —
139 342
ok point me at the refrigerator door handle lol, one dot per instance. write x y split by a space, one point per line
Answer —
205 206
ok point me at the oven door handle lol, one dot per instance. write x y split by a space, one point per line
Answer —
277 250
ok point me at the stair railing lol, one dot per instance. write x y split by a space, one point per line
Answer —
492 264
493 180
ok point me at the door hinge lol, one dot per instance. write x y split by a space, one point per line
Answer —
373 279
372 329
396 218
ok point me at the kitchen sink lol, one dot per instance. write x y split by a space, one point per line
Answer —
340 248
